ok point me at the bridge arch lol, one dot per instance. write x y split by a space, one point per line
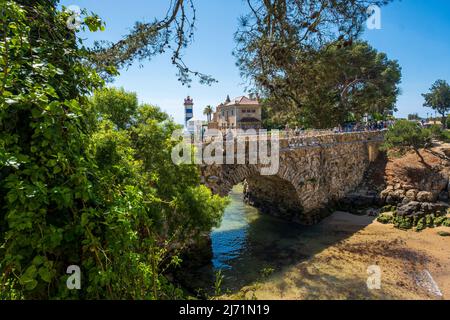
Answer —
313 173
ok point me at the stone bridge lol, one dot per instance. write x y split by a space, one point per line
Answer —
314 172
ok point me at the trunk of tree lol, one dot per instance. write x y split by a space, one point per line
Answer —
444 121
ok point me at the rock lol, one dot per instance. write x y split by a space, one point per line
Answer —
415 208
397 186
386 217
388 214
385 192
411 195
443 196
213 179
371 212
390 200
408 187
446 151
427 207
409 208
425 196
394 197
405 201
440 208
358 200
399 194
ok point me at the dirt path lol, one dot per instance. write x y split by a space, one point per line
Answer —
413 265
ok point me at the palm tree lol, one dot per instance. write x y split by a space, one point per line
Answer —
208 112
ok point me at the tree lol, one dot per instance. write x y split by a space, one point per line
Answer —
77 189
172 33
405 135
413 116
267 39
333 85
438 99
116 105
277 34
208 111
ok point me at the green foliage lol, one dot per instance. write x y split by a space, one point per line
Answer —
385 218
83 182
437 132
388 208
413 116
116 105
418 222
218 283
334 85
438 99
208 111
403 223
171 33
266 272
445 136
405 134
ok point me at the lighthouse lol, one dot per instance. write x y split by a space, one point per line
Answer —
188 109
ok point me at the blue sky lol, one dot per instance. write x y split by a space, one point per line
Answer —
414 32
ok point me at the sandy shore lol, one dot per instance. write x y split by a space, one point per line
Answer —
413 265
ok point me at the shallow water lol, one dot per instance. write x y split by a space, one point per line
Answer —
328 260
247 245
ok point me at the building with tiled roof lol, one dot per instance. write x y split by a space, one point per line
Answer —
239 113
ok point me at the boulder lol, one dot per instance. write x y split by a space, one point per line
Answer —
411 195
358 200
213 179
386 192
425 196
390 200
399 194
443 196
409 209
415 208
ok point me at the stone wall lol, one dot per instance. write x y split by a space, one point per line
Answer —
313 173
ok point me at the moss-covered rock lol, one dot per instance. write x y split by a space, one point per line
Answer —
388 208
403 223
439 221
421 224
408 222
446 223
386 217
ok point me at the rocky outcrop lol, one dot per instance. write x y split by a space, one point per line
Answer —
433 190
415 208
413 189
422 177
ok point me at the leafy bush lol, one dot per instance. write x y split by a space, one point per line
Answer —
116 105
385 218
405 134
445 136
80 185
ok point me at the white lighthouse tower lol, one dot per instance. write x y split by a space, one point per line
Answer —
188 110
